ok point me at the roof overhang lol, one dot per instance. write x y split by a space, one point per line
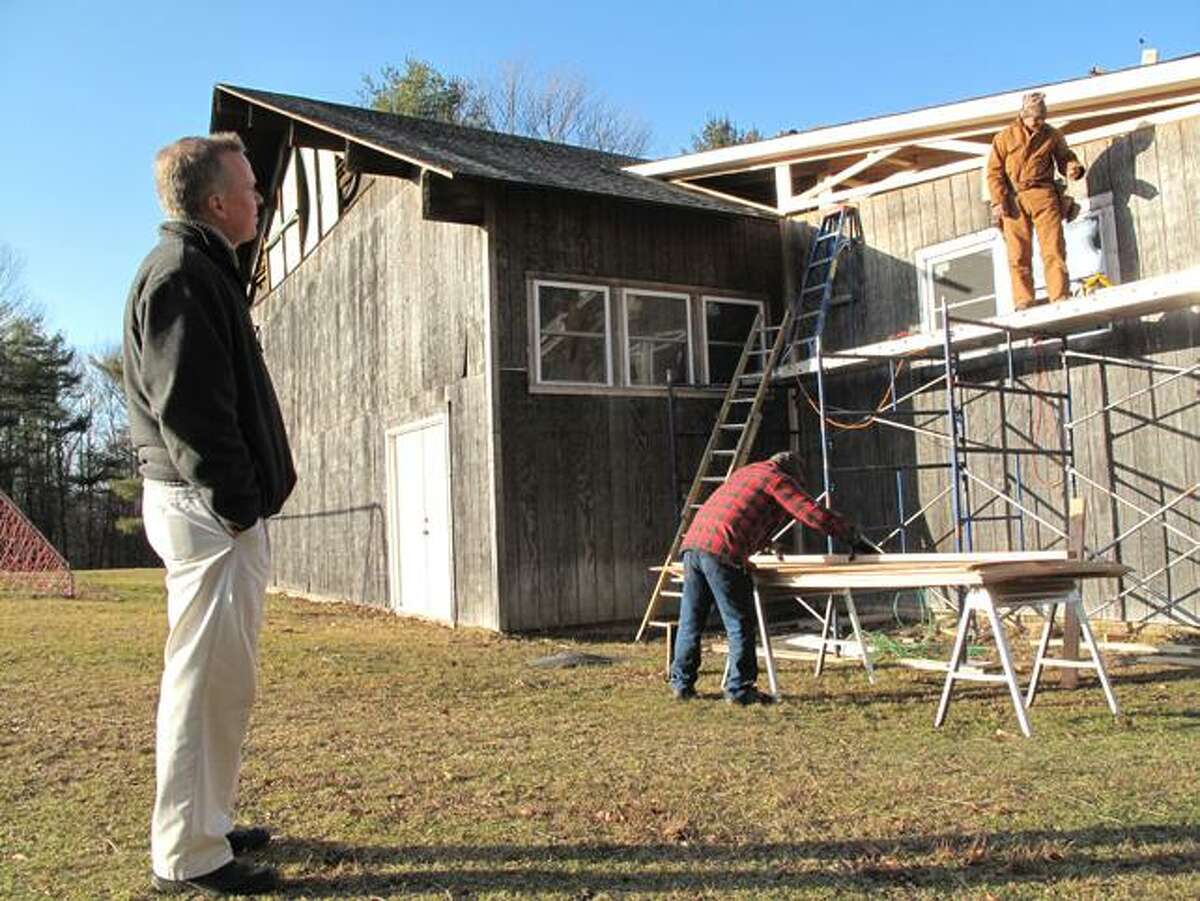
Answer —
807 170
270 132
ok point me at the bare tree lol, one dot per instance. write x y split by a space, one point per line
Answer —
14 298
553 106
560 106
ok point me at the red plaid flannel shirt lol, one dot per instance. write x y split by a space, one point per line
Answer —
741 516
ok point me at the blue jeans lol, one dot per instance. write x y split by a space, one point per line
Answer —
705 580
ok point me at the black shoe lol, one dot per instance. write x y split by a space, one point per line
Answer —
683 694
235 878
750 697
249 839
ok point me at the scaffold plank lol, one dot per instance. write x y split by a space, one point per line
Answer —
1160 294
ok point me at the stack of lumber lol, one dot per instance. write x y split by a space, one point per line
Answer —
1036 571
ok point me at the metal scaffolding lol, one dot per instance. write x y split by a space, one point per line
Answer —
1031 521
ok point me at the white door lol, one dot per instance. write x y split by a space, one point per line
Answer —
419 549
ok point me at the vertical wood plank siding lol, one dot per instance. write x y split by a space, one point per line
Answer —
381 326
586 503
1154 176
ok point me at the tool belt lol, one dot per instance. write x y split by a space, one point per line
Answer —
1068 206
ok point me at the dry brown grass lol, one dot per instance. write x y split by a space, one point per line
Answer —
394 758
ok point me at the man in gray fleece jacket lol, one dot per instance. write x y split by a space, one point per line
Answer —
212 448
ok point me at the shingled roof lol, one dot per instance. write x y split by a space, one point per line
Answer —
456 150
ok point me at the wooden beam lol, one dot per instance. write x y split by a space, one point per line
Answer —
956 145
269 188
825 184
721 195
783 186
304 135
452 200
368 161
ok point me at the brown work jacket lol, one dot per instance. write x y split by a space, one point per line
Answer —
1021 159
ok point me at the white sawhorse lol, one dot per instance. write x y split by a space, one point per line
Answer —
986 601
829 621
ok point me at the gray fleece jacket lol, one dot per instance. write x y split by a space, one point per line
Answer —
202 409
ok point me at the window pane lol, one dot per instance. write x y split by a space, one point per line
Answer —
289 200
658 338
275 263
308 163
970 277
327 179
728 325
291 246
722 362
729 321
571 359
655 316
650 361
276 226
571 310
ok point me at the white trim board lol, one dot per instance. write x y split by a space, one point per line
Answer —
1062 98
1150 295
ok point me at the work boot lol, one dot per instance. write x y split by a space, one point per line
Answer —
683 693
750 697
235 878
1020 305
249 839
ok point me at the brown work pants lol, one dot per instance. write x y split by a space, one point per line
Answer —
1036 208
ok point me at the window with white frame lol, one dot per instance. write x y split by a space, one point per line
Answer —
969 275
305 209
961 277
610 335
657 337
573 333
727 322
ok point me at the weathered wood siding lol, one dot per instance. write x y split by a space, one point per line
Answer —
382 325
1147 451
585 498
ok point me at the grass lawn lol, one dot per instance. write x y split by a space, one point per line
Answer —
394 758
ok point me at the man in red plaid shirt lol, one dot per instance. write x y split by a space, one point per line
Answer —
738 520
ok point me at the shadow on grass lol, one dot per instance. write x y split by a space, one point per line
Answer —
939 861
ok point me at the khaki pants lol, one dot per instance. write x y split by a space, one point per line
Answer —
215 588
1037 209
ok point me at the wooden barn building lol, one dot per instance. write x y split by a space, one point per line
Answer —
471 336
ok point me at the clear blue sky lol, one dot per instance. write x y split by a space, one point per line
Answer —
91 90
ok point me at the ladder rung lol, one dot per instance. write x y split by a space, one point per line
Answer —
724 453
742 400
670 594
733 426
712 478
820 287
